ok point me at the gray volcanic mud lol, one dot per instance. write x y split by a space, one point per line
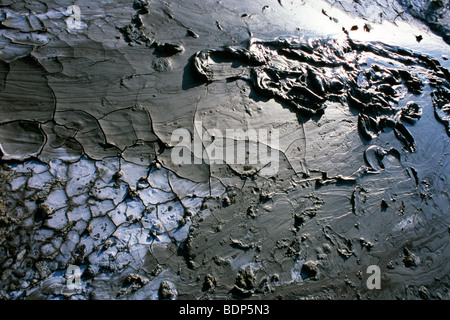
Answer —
355 177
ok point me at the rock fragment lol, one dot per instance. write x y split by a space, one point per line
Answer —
166 291
310 269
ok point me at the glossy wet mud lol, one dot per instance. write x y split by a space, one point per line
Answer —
89 104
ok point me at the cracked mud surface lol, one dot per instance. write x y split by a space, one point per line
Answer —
88 107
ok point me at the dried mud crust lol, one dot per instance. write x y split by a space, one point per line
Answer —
86 214
87 178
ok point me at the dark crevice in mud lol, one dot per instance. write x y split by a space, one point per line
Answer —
191 79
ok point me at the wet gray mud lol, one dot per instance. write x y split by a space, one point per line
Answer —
90 95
